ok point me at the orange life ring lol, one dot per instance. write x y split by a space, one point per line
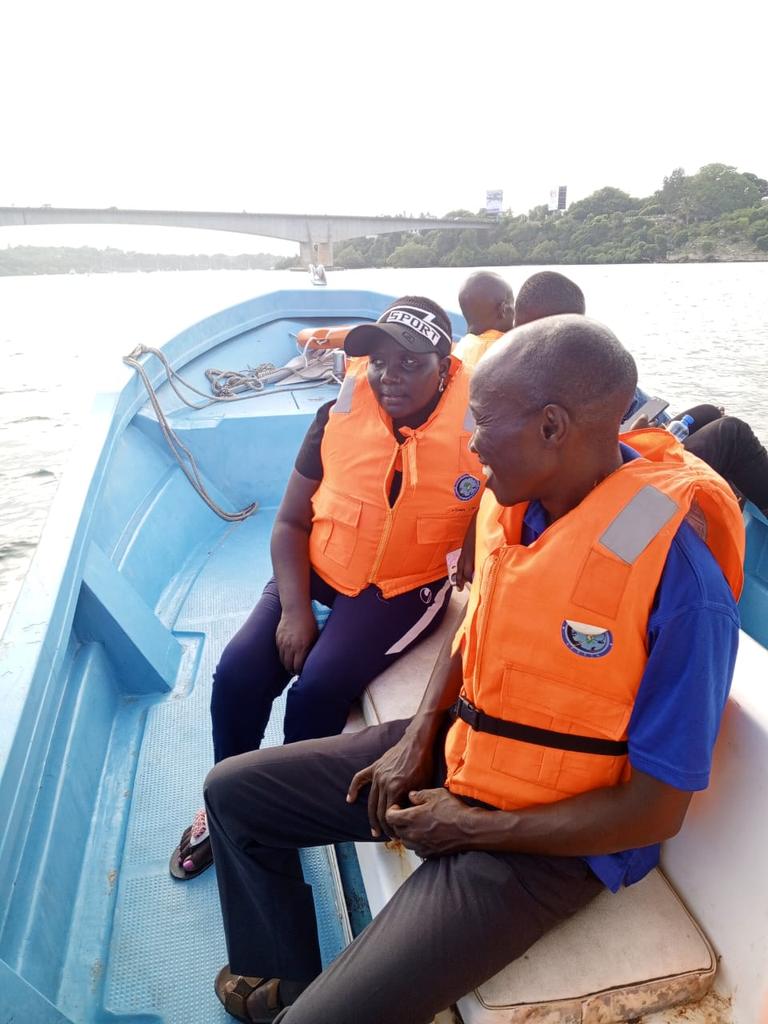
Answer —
323 337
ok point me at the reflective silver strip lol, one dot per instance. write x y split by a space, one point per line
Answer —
344 401
421 624
637 524
469 421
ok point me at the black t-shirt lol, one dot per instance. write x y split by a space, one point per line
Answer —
309 462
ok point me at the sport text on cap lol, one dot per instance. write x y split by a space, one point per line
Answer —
418 320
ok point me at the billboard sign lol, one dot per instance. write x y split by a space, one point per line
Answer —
493 200
558 198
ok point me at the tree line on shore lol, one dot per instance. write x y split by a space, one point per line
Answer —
32 259
719 213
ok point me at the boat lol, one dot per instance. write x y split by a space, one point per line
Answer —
317 273
137 584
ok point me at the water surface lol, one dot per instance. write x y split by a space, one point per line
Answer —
699 334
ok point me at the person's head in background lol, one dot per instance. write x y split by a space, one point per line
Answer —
547 294
487 303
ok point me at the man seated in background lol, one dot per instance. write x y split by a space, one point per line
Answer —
488 305
726 443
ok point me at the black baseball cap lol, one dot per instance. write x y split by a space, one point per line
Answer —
416 325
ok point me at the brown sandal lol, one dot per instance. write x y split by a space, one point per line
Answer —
234 991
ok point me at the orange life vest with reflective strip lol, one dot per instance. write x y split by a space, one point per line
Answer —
555 632
472 347
356 538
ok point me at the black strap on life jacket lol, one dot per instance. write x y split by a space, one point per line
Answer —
478 720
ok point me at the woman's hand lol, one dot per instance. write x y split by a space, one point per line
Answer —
465 567
295 636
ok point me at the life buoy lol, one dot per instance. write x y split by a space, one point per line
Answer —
323 337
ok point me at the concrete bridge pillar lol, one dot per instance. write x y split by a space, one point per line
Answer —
317 252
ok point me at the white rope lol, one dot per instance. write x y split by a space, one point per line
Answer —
227 385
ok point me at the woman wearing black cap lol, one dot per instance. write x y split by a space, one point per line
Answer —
384 486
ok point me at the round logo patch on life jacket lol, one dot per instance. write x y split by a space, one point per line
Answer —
466 487
588 641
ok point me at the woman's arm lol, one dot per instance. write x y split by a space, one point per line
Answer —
296 632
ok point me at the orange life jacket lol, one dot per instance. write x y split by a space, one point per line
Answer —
472 346
357 539
555 633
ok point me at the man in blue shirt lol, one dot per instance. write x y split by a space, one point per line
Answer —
492 881
693 613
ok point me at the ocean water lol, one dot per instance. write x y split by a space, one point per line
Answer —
699 333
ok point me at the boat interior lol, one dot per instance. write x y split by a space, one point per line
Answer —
105 736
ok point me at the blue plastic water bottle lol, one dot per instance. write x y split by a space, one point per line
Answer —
681 428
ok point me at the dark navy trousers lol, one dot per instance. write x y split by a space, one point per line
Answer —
730 447
362 636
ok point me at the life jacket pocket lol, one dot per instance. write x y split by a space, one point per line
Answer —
334 525
556 704
444 533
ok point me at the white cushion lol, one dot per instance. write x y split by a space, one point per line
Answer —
623 956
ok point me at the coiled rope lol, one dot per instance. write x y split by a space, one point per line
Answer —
313 368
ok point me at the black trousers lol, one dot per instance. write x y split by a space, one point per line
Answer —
455 923
730 447
250 675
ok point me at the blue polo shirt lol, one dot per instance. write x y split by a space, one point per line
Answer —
693 635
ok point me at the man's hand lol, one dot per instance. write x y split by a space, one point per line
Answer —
434 824
406 766
295 636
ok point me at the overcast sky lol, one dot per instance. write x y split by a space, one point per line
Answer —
360 107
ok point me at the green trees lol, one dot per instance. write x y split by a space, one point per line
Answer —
31 259
413 254
717 189
605 200
717 213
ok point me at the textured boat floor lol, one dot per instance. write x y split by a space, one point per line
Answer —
167 939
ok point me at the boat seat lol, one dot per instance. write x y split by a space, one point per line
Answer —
623 956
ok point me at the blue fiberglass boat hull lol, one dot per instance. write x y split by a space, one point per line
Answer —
105 673
106 668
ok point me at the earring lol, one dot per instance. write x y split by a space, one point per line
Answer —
441 385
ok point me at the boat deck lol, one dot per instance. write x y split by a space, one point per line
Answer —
106 674
156 958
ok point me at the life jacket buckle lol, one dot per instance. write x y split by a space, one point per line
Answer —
468 713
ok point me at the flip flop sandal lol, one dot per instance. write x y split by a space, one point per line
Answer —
234 990
198 833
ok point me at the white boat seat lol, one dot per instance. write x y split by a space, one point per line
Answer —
624 956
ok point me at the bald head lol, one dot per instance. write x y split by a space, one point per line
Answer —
487 302
570 361
547 402
547 294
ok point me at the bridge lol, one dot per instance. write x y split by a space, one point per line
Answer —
315 233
